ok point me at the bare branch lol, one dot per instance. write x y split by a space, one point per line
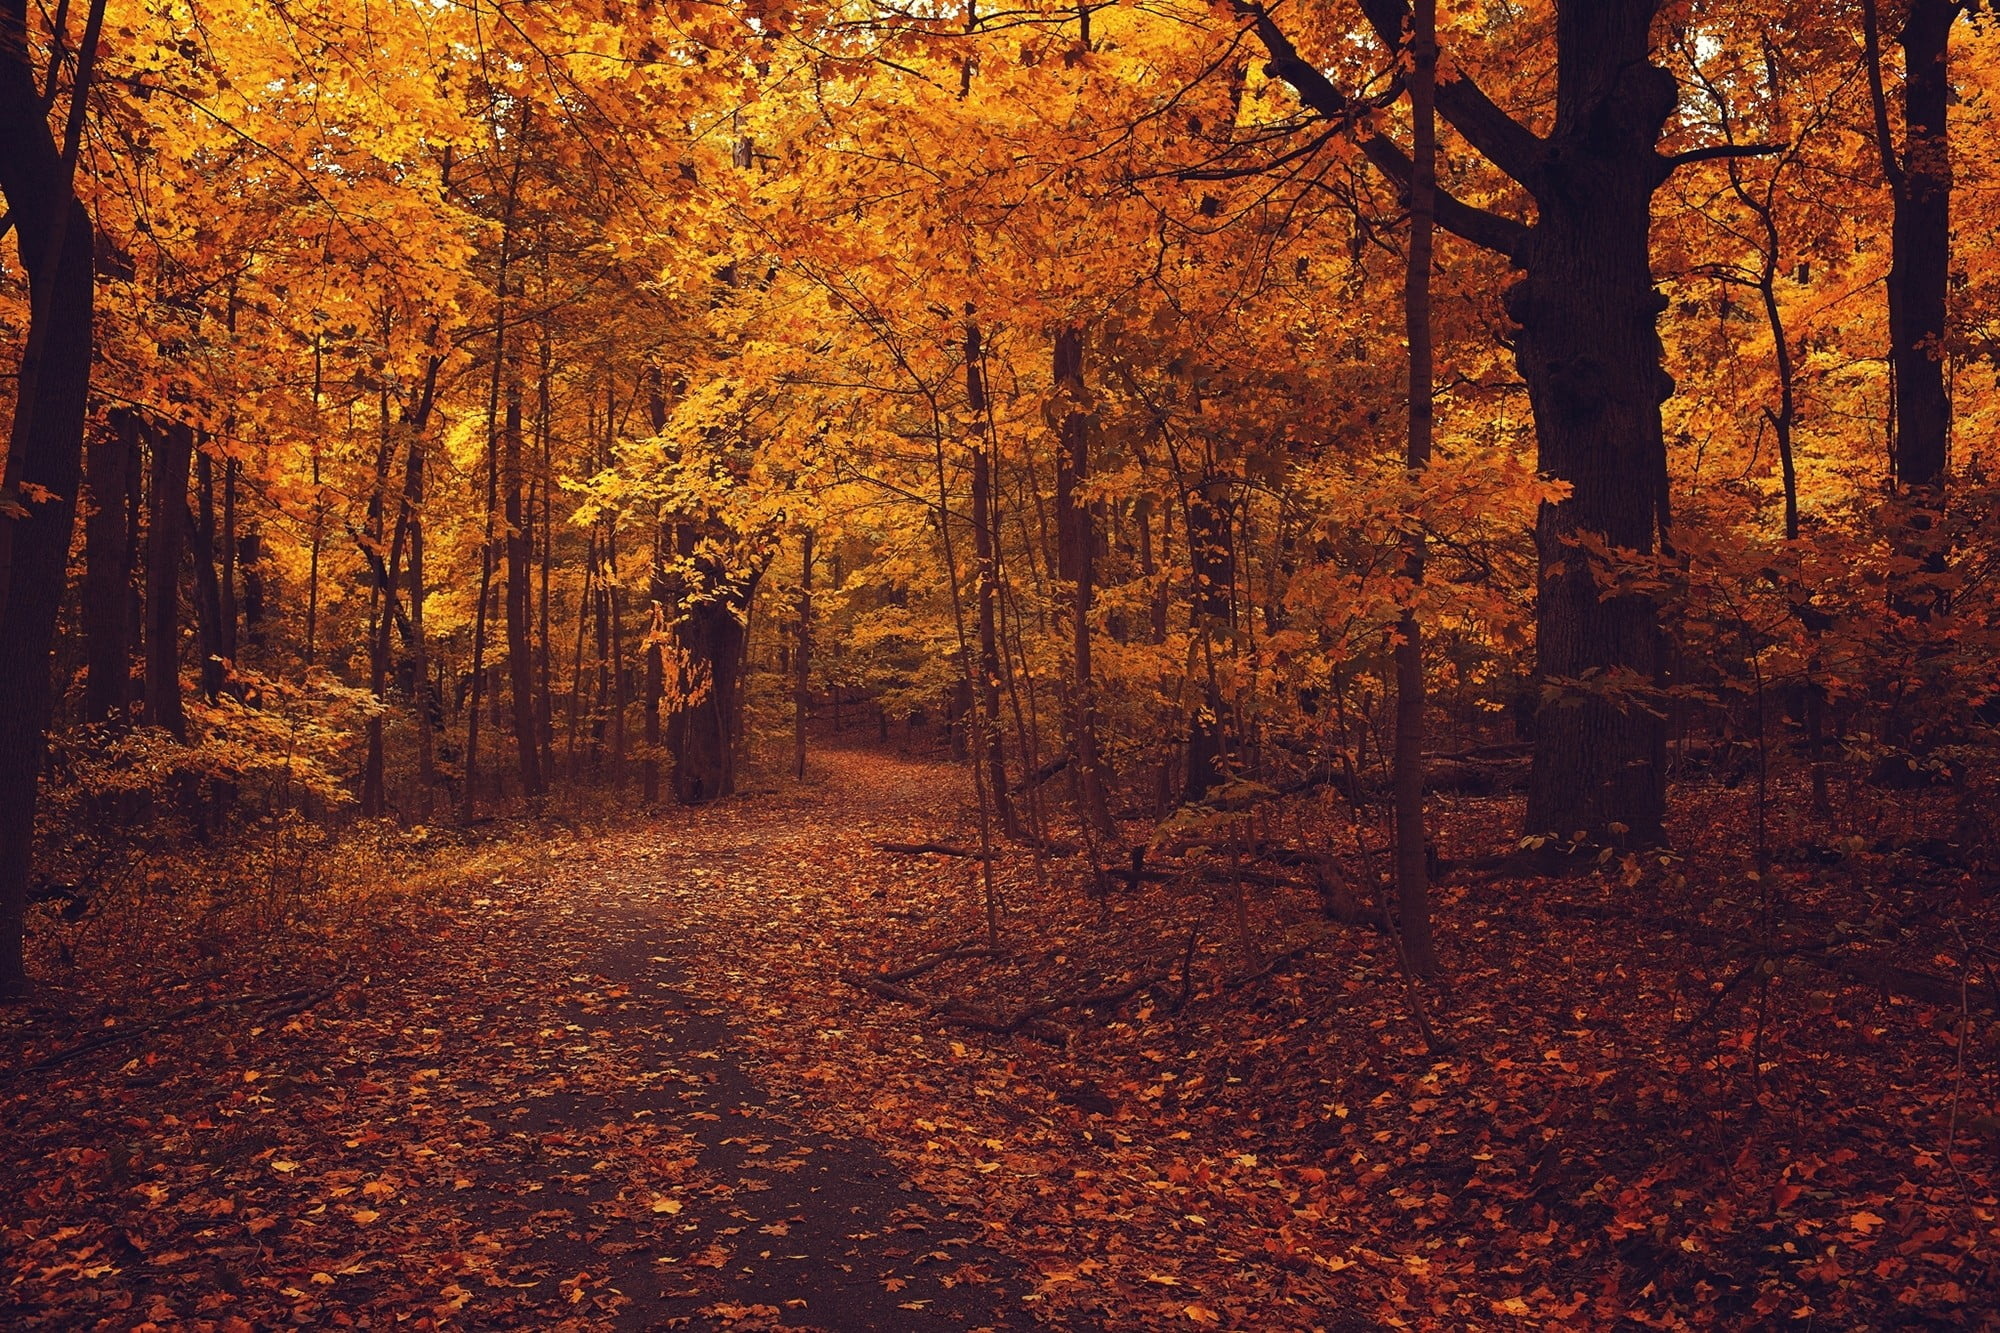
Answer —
1714 151
1318 92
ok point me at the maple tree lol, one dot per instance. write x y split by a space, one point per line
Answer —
1234 479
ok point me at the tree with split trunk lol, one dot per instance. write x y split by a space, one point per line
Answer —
1585 309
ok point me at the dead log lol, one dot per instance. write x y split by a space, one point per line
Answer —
1029 781
1870 970
923 965
931 849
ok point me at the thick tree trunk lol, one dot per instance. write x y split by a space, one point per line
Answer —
107 577
1076 550
709 634
1591 357
44 451
1920 248
166 516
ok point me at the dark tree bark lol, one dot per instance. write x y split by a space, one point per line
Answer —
207 587
166 518
1588 349
1076 551
657 595
226 555
1211 534
1920 185
468 800
709 633
107 578
519 603
45 444
802 657
1412 863
986 553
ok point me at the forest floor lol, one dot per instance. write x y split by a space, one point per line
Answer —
742 1067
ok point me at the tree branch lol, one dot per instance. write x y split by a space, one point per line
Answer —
1500 139
1719 150
1492 231
1318 92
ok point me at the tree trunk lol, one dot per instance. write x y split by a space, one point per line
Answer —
44 447
1920 245
107 575
520 604
1075 549
1211 534
986 553
657 596
226 554
207 588
802 657
430 711
709 634
1591 357
173 446
655 685
1412 863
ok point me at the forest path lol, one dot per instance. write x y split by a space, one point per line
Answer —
530 1105
774 1223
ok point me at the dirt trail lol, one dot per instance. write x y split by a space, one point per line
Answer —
532 1107
820 1232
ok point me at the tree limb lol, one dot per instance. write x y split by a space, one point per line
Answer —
1489 230
1719 150
1500 139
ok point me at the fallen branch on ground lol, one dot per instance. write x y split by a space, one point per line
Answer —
959 1014
1908 982
931 849
966 949
288 1002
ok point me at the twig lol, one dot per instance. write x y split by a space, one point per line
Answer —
923 965
291 1002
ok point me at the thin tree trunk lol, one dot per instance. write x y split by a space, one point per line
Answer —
469 798
107 576
985 553
173 446
1412 868
657 596
1076 544
318 514
614 602
207 592
519 604
802 657
228 558
545 704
